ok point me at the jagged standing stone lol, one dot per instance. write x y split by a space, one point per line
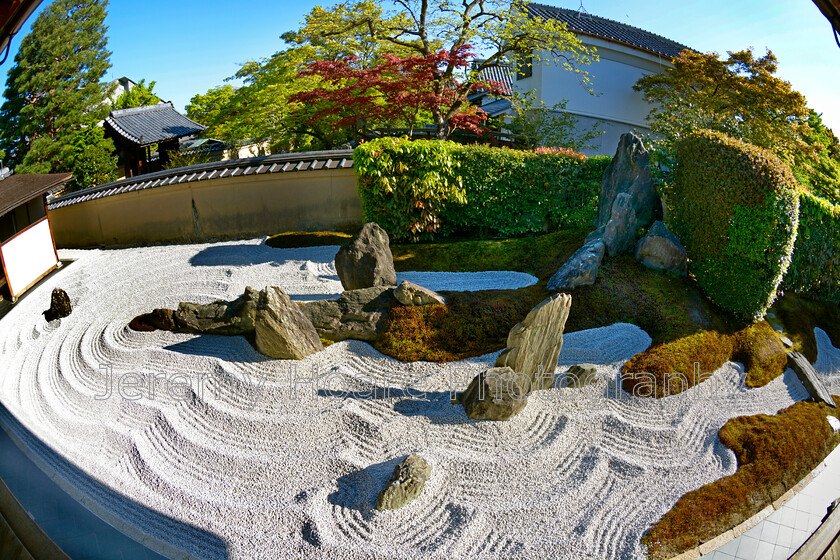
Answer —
629 172
496 394
282 331
661 249
408 293
620 232
533 346
810 378
366 260
581 269
60 306
405 484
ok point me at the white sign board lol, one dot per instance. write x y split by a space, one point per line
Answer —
28 256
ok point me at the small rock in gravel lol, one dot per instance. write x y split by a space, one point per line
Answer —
496 394
405 484
60 306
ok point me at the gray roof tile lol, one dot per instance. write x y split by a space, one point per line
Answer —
151 124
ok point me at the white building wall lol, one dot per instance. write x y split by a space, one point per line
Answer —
611 78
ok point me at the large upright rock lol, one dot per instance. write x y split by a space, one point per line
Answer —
810 378
405 484
282 331
357 314
620 231
496 394
581 269
220 317
629 172
534 344
366 260
661 249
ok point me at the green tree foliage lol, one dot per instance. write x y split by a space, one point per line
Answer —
93 160
499 28
735 207
820 173
138 96
211 109
739 96
53 92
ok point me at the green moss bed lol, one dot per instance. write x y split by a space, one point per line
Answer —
773 452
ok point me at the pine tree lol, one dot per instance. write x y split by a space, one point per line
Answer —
54 92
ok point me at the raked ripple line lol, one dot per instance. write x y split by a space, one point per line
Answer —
219 474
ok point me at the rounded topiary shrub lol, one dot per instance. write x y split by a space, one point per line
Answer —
735 207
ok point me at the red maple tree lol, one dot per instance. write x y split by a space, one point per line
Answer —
400 90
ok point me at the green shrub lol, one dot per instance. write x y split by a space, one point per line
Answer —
509 193
735 207
405 185
815 269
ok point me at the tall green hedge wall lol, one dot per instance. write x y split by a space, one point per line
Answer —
506 193
735 207
815 269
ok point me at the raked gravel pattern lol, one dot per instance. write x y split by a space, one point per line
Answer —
233 455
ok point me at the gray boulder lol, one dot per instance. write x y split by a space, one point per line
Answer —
661 249
408 293
366 260
357 314
533 346
579 376
60 306
220 317
581 269
405 484
629 172
620 231
810 378
282 331
496 394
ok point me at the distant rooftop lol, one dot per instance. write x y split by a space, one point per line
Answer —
149 125
594 26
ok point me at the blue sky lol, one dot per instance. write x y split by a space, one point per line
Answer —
189 46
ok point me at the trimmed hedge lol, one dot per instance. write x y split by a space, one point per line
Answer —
508 193
815 269
735 207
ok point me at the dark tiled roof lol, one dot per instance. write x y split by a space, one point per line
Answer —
585 24
502 74
151 124
280 163
496 107
18 189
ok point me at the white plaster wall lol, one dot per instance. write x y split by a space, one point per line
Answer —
614 101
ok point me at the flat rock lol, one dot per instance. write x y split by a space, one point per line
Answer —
786 341
405 484
810 378
60 306
581 269
408 293
357 314
158 319
496 394
366 260
533 346
620 231
629 172
660 249
220 317
282 331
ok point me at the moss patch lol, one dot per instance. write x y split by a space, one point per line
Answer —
470 324
774 453
540 255
294 239
756 346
